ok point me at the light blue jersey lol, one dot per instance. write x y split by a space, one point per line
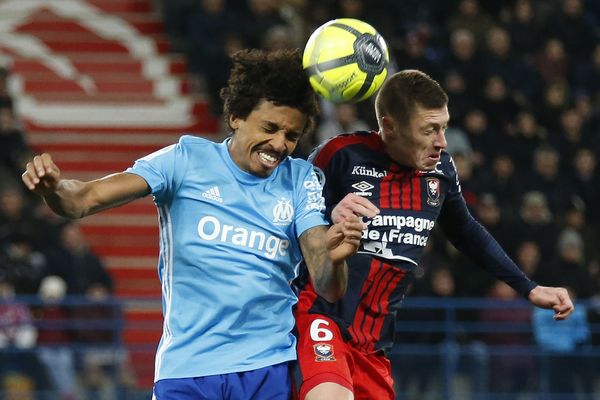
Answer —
228 251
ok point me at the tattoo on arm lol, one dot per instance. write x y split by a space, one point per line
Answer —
329 281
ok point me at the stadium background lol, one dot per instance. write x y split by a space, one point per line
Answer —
99 83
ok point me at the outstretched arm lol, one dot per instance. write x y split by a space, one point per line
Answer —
76 199
324 253
555 298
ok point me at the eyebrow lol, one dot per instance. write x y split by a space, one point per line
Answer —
273 125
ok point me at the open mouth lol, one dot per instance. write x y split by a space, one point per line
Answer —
269 160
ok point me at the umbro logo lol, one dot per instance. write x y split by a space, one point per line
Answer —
213 194
363 188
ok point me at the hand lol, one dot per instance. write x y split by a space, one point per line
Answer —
555 298
353 205
343 238
42 175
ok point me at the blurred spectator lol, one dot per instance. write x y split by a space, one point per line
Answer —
469 16
351 9
55 337
458 143
528 136
587 76
81 268
570 137
468 180
547 178
565 367
499 104
418 374
499 60
105 367
489 214
525 29
535 222
482 137
174 12
13 147
501 181
258 16
575 219
555 98
414 54
15 211
529 258
508 372
570 268
456 86
18 334
463 58
586 179
569 24
344 119
278 37
21 264
212 28
552 62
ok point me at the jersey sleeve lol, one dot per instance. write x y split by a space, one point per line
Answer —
160 170
310 202
471 238
328 165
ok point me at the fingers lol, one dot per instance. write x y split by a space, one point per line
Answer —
353 204
361 206
564 306
353 228
40 167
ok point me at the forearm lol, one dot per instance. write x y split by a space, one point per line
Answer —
329 276
68 199
471 238
76 199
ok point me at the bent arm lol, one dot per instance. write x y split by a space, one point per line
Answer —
471 238
75 199
329 278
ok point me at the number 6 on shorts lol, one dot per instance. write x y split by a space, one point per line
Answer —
318 333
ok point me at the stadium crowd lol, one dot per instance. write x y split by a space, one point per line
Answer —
523 78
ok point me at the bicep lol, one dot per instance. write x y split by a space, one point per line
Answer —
114 190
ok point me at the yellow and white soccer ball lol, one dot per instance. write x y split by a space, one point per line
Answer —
346 60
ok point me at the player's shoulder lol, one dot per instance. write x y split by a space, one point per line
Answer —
345 142
195 141
296 166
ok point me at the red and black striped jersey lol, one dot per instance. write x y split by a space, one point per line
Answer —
411 203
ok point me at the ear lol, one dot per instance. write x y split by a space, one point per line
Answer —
234 122
387 125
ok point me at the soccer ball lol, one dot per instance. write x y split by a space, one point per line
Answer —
345 60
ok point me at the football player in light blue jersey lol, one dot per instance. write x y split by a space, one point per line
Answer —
235 220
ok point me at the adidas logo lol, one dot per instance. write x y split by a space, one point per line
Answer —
213 194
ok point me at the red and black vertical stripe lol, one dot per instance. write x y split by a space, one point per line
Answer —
400 190
374 308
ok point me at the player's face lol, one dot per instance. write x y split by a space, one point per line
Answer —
266 137
420 143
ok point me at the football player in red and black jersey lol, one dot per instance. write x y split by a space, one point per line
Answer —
403 182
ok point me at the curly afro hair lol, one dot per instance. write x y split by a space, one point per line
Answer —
275 76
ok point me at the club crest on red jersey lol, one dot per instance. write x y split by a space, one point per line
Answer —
324 352
433 191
